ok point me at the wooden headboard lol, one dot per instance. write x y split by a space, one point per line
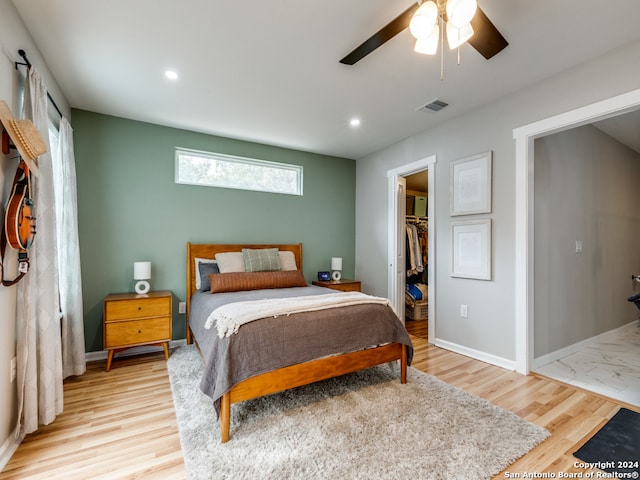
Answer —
209 250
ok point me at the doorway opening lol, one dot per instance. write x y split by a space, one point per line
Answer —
412 209
524 223
416 313
585 331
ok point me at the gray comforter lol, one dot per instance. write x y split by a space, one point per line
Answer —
271 343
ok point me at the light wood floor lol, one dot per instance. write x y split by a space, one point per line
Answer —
115 425
122 424
419 328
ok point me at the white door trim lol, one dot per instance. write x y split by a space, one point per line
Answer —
524 137
428 163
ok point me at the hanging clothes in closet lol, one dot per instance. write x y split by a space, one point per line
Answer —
414 252
417 241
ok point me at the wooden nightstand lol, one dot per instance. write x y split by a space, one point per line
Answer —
131 320
344 285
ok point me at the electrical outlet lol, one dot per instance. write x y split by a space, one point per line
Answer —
13 369
182 307
578 246
464 311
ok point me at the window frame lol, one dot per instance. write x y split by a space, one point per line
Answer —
214 156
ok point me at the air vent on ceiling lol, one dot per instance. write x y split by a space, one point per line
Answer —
433 106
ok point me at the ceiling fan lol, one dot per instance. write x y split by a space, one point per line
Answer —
427 21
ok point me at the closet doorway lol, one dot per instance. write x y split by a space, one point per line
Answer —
414 179
416 308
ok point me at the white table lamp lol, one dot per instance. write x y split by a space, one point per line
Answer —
336 267
142 273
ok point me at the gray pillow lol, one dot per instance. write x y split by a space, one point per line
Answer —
205 270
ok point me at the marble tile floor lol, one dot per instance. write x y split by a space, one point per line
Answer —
609 366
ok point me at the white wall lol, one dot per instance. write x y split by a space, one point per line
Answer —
490 327
13 36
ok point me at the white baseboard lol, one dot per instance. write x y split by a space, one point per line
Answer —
477 354
8 448
102 354
575 347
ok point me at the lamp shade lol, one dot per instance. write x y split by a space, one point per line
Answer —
142 270
457 36
428 45
423 21
460 12
336 263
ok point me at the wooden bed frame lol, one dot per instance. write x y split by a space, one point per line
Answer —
294 375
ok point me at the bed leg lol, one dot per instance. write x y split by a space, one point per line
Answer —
403 365
225 417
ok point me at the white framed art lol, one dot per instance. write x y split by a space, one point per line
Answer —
470 188
471 247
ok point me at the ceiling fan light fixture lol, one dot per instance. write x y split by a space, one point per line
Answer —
428 45
424 20
457 36
460 12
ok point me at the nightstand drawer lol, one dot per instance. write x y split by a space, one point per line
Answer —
344 285
137 308
347 287
119 334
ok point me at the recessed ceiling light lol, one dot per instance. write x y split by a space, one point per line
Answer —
171 75
354 122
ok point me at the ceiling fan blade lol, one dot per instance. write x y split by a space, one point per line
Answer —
486 38
382 36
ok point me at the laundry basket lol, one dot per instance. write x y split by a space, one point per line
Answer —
417 311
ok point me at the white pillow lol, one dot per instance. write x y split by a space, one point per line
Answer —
229 262
198 261
287 260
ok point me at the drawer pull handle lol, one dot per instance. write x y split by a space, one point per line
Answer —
139 308
139 331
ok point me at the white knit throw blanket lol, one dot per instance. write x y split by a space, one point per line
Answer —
229 317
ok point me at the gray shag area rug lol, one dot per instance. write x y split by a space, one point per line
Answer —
359 426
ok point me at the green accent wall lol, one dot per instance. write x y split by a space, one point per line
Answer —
130 209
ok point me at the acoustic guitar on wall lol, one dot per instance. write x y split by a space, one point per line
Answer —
19 227
19 222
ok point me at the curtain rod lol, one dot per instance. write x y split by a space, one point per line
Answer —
27 63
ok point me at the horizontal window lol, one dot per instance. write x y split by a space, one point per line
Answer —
227 171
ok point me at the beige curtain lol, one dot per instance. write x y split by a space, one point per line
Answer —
69 276
38 339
